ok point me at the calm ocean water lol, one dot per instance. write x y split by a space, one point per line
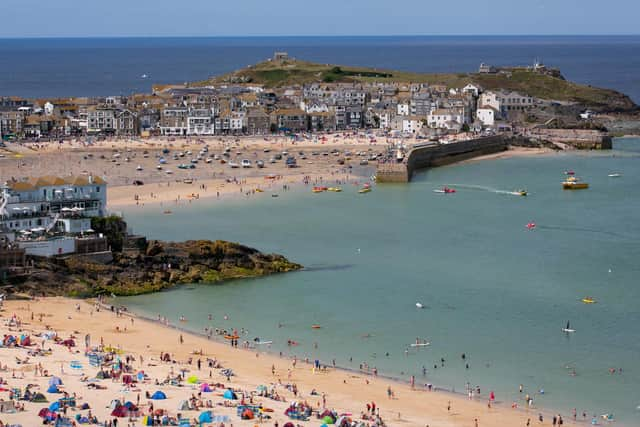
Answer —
93 67
493 289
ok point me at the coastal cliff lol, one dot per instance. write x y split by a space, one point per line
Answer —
143 266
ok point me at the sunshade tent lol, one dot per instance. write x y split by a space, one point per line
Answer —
53 389
205 388
229 394
158 395
55 406
205 417
147 420
183 406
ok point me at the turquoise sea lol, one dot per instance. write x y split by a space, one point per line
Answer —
493 289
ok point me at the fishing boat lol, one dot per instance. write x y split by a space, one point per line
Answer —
573 183
588 300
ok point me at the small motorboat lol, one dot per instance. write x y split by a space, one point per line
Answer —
522 192
419 305
531 225
316 326
588 300
614 175
445 190
573 183
569 172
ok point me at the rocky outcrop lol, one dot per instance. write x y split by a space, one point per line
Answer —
160 265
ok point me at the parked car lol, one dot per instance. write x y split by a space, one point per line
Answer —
260 164
246 163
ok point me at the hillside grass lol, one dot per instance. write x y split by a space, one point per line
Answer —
275 74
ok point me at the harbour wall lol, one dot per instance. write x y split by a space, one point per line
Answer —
432 154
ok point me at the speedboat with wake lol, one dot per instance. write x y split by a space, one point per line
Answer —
445 190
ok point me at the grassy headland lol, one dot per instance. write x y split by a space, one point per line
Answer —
276 74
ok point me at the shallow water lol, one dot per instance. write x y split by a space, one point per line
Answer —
492 289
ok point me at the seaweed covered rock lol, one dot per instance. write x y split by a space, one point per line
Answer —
156 266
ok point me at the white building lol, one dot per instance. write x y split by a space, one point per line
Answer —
472 89
200 121
486 115
50 203
412 124
445 119
490 99
403 109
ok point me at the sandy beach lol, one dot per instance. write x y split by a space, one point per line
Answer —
122 162
144 341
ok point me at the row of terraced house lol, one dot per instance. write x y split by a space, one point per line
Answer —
246 109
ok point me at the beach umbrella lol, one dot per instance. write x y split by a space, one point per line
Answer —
205 417
192 379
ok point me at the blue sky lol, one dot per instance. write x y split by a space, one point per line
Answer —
82 18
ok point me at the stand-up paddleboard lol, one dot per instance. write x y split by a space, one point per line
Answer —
264 342
420 344
568 329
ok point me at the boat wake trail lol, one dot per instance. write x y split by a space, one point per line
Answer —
586 230
484 188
